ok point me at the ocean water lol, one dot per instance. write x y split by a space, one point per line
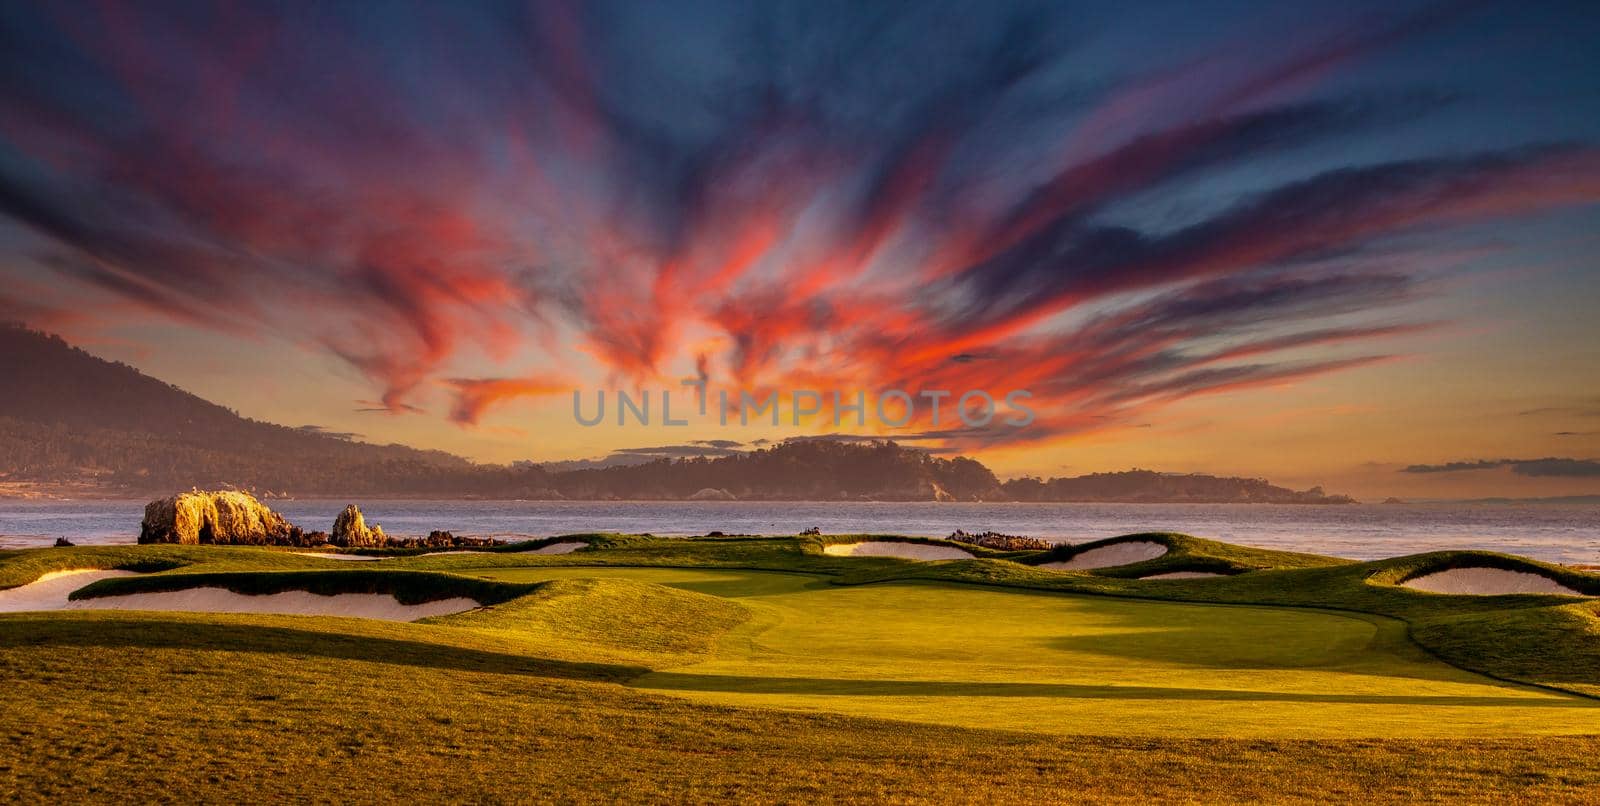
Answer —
1562 534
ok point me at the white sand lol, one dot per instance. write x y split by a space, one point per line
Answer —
1184 575
892 548
446 553
1487 582
566 547
1127 553
293 603
329 555
50 591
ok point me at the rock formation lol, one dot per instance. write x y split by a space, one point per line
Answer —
224 517
350 530
1001 542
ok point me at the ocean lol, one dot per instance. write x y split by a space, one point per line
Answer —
1554 533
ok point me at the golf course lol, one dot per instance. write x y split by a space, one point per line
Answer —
832 667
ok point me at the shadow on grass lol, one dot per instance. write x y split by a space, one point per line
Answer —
727 583
137 632
679 681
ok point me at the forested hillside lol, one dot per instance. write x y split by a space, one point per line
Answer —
70 418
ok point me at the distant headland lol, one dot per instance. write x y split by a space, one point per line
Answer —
74 425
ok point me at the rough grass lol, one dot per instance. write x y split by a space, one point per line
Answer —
126 707
526 701
1501 641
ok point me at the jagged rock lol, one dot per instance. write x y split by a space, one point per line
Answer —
63 543
1000 542
814 530
224 517
350 530
440 539
317 538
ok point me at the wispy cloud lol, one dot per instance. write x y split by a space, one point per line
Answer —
1549 466
546 188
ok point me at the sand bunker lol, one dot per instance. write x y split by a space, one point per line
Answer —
1184 575
566 547
50 591
329 555
1487 582
293 603
1126 553
891 548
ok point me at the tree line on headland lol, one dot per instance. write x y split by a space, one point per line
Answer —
70 419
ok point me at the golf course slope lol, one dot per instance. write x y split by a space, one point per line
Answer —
769 668
1126 552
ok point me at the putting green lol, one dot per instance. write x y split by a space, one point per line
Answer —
1065 664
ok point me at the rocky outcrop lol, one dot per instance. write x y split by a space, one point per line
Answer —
1000 542
350 530
224 517
440 539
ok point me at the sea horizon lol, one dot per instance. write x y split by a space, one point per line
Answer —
1566 534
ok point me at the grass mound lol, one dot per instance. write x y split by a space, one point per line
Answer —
1184 553
610 620
1502 643
1404 569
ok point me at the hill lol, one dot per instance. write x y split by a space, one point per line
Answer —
797 470
70 421
69 418
1148 486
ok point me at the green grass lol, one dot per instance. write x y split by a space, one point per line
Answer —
1050 663
609 619
1186 553
178 707
763 669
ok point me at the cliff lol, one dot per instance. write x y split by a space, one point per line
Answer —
227 517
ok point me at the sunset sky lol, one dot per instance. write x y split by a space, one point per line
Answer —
1325 243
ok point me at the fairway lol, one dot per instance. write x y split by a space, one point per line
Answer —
970 656
768 669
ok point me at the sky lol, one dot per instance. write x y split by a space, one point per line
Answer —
1340 244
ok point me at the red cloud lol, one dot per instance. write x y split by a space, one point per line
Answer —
474 396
